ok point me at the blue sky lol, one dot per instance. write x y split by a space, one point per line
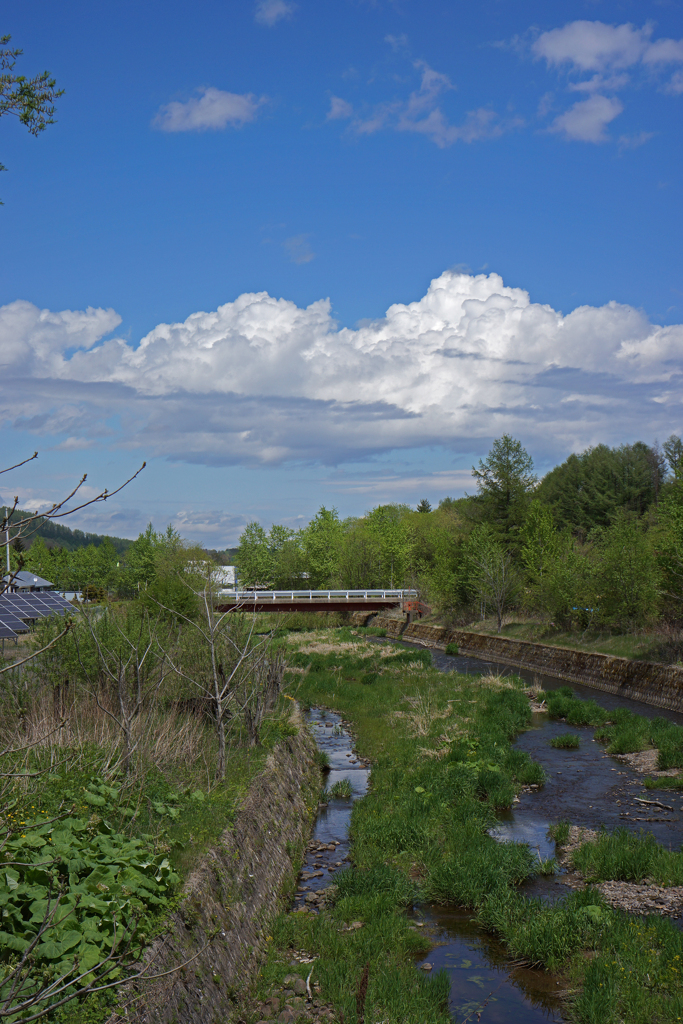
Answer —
503 178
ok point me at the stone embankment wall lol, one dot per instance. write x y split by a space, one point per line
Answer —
234 892
659 685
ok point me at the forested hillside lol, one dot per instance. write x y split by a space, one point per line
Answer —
56 535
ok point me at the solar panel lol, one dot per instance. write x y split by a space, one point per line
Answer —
6 633
13 621
32 605
57 600
23 609
37 602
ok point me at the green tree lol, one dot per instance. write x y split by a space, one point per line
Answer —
505 481
493 574
29 99
272 559
587 490
438 562
358 555
626 574
669 550
540 544
321 542
389 526
673 452
424 506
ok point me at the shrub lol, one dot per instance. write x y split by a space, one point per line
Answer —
452 649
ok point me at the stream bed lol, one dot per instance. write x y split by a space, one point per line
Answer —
587 787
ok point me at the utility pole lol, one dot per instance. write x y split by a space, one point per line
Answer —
6 511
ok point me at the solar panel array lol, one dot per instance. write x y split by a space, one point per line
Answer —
18 611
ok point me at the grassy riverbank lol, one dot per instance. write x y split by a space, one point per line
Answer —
113 783
442 765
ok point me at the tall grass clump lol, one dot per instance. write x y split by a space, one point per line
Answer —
567 741
624 856
562 703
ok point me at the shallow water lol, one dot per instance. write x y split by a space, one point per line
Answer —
481 978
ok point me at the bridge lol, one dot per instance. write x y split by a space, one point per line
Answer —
319 601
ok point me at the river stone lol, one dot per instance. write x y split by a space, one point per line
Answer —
426 967
300 987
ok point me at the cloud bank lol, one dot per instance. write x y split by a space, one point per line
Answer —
261 381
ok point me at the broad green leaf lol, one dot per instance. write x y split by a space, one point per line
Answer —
94 799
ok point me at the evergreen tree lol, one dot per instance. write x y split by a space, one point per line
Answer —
588 489
505 482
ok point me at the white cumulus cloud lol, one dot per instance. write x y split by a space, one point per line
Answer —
262 381
212 110
593 46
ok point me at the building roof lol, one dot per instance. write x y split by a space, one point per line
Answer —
24 580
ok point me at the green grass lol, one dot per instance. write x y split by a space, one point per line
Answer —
567 741
134 838
442 764
559 832
561 703
625 856
668 782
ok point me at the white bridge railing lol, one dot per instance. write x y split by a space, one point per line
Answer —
254 596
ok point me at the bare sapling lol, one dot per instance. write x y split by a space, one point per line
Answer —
132 664
263 693
227 663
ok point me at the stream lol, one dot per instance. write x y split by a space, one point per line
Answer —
476 963
585 786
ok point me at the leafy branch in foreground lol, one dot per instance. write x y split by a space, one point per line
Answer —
32 100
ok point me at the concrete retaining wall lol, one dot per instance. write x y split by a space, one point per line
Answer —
660 685
237 889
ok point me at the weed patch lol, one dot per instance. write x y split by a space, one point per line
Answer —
567 741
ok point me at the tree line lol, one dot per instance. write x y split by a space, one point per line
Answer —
599 540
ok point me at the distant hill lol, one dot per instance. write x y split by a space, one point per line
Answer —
57 536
